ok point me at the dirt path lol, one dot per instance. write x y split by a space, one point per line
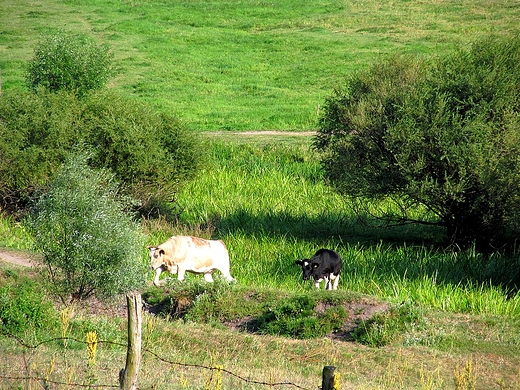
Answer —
18 258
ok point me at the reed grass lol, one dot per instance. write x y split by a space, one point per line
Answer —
270 206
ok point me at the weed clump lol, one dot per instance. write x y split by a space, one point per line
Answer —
22 307
385 328
297 317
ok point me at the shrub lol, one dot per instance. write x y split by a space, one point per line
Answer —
69 62
150 153
386 328
36 131
90 244
297 317
442 134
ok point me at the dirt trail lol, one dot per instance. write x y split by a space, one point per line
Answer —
18 258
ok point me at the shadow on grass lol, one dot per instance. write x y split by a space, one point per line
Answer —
327 227
412 251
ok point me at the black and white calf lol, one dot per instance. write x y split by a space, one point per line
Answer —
325 265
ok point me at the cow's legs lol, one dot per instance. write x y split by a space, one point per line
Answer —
158 272
180 273
336 281
328 284
208 277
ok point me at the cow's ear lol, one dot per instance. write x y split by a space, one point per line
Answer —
299 262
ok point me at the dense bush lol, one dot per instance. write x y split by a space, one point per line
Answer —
297 317
443 134
36 131
69 62
90 244
149 152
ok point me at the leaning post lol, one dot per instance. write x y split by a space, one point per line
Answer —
128 375
330 380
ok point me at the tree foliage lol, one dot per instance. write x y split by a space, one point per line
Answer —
70 62
90 243
150 153
36 130
443 134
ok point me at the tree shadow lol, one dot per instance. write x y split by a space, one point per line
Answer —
422 246
326 227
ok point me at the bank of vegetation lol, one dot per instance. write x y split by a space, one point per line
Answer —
412 177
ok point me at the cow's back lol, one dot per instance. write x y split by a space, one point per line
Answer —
195 253
329 260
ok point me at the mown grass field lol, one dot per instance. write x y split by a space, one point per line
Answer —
246 65
249 65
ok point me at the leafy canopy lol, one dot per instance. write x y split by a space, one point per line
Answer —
150 153
443 134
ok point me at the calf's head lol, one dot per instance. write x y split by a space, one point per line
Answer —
308 267
156 257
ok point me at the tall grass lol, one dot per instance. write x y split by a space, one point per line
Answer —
14 234
270 206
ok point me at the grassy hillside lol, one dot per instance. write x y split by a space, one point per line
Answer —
236 65
249 65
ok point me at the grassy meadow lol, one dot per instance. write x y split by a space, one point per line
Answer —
264 197
225 67
246 65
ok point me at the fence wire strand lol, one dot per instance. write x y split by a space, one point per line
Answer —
144 350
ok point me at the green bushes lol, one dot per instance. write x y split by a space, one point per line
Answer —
90 245
297 317
150 153
303 316
443 135
67 62
36 131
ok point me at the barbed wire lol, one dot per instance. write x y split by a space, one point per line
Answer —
54 382
144 350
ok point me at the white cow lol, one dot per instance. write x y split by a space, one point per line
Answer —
179 254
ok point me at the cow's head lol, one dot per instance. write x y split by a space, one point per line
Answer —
156 257
307 267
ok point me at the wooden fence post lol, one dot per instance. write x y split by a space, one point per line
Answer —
330 381
128 375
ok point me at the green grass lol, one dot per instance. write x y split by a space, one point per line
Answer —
266 200
246 65
14 234
249 65
270 206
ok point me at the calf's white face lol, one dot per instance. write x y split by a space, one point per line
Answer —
155 257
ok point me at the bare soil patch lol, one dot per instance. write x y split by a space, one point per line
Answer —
18 258
264 132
